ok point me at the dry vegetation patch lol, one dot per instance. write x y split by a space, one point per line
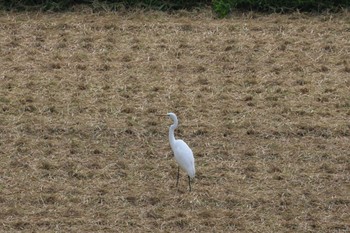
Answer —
263 100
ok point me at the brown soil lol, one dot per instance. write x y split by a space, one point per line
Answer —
263 101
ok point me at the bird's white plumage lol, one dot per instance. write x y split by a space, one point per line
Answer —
182 152
184 157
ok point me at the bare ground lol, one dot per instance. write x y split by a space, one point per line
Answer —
263 101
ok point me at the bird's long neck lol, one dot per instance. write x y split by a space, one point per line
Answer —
171 132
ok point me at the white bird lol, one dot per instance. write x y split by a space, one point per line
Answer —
182 152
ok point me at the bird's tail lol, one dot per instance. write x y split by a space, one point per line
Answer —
192 173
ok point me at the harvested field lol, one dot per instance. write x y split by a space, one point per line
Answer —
262 100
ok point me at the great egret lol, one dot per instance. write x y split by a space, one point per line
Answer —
182 152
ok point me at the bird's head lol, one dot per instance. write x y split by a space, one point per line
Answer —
172 116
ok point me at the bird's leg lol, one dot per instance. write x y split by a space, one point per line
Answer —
178 175
189 182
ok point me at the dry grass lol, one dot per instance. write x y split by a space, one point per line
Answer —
263 100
